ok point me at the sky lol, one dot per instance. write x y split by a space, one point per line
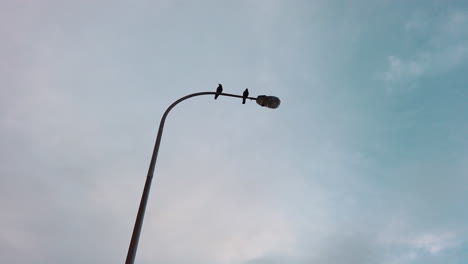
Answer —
365 161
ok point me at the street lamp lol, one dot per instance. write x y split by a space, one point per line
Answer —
263 100
268 101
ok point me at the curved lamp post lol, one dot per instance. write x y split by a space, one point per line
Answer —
263 100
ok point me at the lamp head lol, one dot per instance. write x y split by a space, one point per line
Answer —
268 101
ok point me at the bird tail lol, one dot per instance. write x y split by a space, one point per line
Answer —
216 96
243 100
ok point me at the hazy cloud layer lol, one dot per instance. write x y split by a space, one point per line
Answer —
343 172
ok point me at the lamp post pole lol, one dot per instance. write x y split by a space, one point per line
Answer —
132 249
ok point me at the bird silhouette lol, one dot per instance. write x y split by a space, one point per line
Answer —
245 95
219 90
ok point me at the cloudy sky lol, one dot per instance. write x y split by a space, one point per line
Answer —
365 161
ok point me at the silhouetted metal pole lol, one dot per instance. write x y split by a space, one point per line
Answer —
132 249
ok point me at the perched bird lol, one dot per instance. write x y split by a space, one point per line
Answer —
219 90
245 95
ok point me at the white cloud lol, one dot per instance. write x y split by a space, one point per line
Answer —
434 243
418 22
445 48
401 70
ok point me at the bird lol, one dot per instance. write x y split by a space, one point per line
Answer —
219 90
245 95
